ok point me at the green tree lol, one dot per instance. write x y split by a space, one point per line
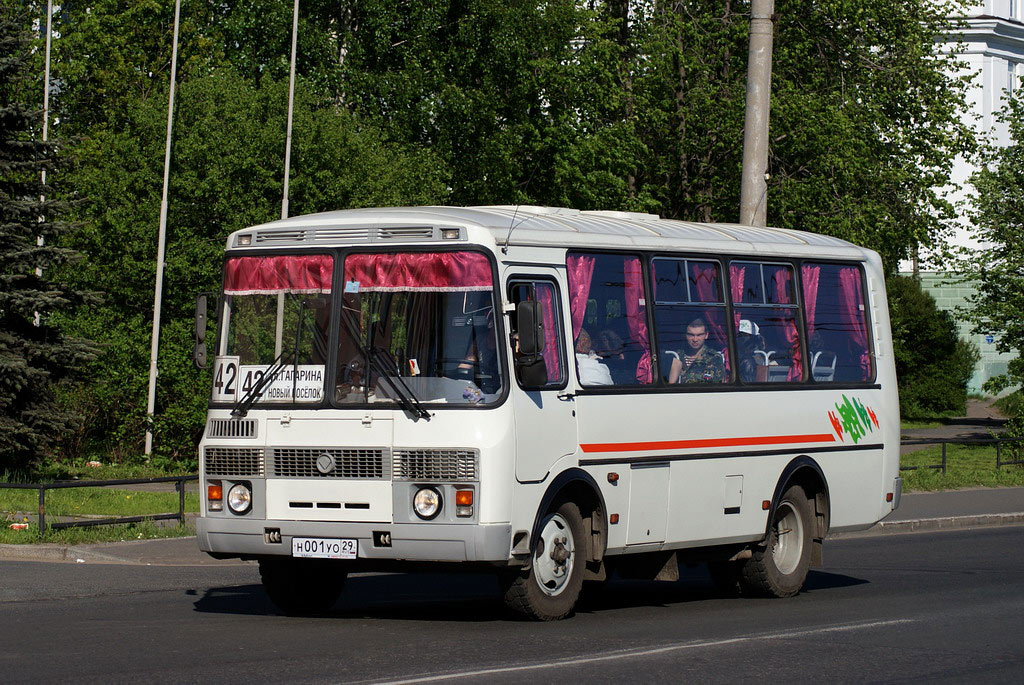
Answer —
933 364
35 355
228 153
997 269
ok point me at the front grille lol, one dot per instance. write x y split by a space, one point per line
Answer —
231 428
234 461
435 465
301 462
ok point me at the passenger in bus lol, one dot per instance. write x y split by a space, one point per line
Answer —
592 370
612 350
746 344
698 363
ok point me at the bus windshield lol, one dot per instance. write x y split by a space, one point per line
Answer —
277 315
419 327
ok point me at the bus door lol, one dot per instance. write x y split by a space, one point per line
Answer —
545 418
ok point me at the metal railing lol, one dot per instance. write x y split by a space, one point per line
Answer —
179 486
998 442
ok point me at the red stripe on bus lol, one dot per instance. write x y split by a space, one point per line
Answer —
713 442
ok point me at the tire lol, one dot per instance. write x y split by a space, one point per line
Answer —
302 587
779 567
549 590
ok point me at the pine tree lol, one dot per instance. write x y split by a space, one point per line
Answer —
34 355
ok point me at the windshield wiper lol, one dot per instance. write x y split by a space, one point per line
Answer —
372 355
257 389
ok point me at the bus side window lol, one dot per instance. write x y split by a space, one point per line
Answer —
837 330
553 353
766 323
607 304
689 321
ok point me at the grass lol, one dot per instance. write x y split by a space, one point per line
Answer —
96 502
20 506
147 530
966 466
1011 405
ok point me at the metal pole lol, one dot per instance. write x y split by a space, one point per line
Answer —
161 240
291 102
754 183
181 501
998 456
287 166
42 511
40 240
943 458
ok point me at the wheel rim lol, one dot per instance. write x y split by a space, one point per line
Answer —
787 538
555 557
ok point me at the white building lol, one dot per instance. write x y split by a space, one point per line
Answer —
992 38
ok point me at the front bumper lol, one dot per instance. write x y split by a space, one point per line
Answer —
414 542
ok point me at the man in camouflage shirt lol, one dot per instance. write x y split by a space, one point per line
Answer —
699 363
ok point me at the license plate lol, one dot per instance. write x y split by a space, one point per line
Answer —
324 548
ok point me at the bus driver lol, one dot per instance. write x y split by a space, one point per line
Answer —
698 363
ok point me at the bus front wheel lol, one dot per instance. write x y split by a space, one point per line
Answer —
300 587
779 567
549 589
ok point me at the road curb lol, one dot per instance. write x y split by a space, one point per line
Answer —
938 523
74 553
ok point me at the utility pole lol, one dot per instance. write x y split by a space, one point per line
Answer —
37 319
287 165
754 184
161 241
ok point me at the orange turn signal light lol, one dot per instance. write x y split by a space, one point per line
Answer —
888 497
613 519
613 477
766 505
214 492
464 498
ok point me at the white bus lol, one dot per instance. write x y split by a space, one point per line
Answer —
552 394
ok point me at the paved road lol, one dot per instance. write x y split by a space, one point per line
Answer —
941 606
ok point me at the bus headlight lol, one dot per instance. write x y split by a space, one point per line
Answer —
239 498
427 503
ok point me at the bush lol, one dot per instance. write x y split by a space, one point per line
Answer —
933 365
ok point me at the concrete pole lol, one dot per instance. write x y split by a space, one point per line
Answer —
162 240
754 184
291 104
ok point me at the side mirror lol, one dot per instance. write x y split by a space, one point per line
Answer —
531 370
199 351
530 324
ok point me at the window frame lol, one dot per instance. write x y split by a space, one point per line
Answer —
532 279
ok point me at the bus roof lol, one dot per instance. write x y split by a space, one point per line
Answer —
541 227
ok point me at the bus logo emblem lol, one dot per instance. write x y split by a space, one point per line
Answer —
325 463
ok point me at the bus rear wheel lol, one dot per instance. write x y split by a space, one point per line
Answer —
301 587
779 567
549 590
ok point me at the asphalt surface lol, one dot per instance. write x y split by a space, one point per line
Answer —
942 606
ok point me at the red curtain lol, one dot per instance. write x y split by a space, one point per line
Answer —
796 369
419 271
851 307
810 276
552 362
280 274
580 269
736 276
636 317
